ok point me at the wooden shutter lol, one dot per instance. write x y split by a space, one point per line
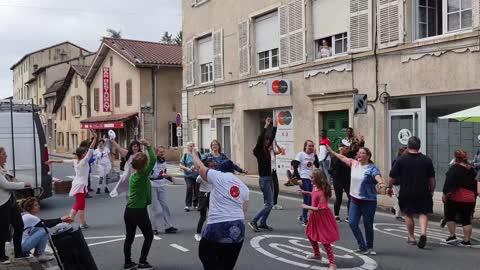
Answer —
117 94
129 92
390 22
244 47
284 41
218 55
96 99
360 26
296 27
189 73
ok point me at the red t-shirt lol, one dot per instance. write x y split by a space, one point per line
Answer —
325 141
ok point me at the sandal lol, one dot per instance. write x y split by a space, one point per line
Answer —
412 242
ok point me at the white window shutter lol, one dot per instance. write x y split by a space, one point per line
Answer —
296 26
284 40
189 64
360 26
390 23
244 48
218 55
476 13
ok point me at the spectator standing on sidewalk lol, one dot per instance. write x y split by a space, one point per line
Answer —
340 173
415 174
275 150
204 198
218 157
159 204
303 166
264 161
190 175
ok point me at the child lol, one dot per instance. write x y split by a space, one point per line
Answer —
80 182
321 226
136 214
204 199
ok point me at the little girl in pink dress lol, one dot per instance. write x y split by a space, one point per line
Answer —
321 226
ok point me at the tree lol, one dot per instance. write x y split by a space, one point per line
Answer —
178 39
114 33
167 38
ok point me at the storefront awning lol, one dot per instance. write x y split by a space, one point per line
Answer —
468 115
114 121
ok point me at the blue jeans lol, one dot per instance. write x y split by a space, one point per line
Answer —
38 239
266 185
366 210
307 199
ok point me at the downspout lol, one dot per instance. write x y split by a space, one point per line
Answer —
154 103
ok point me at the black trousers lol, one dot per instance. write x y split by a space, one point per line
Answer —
191 198
340 187
137 217
203 202
276 187
218 256
10 215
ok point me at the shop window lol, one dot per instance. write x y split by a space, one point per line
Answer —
267 41
404 103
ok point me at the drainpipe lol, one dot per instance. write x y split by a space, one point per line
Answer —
154 104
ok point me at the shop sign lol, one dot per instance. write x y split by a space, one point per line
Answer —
404 135
279 87
103 125
284 139
106 90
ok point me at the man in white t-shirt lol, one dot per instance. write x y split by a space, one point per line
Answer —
303 166
223 237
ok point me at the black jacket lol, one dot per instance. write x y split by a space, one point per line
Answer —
339 171
262 153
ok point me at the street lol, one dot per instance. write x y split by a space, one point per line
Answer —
284 248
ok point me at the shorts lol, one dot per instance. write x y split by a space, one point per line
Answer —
463 210
80 201
422 206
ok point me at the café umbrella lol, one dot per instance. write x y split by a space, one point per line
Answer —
468 115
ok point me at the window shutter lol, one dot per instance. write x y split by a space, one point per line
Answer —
390 23
244 47
284 41
218 55
117 94
476 13
129 92
360 32
72 105
189 69
96 99
296 24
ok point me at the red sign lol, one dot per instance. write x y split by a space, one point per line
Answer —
178 119
106 90
104 125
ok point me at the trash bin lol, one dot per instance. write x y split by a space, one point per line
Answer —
72 248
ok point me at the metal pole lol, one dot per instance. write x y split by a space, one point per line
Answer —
34 145
13 140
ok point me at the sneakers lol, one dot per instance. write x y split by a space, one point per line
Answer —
106 191
451 239
305 223
369 252
466 243
129 266
3 259
254 226
265 227
187 209
422 242
346 219
145 266
300 218
313 257
443 222
277 207
171 230
45 258
84 226
197 237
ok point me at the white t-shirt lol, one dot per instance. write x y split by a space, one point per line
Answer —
227 197
82 169
29 222
204 185
102 158
305 168
160 168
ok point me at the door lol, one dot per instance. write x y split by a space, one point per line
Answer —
205 137
224 136
402 125
336 124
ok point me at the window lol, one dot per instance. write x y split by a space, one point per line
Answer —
111 61
330 46
117 94
267 41
76 81
205 136
429 18
129 92
330 21
205 58
340 43
173 139
459 14
78 106
96 99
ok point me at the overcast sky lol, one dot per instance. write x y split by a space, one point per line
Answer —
29 25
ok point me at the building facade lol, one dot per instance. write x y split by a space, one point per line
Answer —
304 60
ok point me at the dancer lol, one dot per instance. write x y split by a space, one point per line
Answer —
204 198
355 142
365 180
415 174
136 214
190 175
80 181
321 225
275 150
262 153
303 168
104 165
326 160
341 179
218 157
159 195
122 185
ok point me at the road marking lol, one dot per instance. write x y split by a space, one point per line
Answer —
107 237
156 237
179 247
109 241
297 252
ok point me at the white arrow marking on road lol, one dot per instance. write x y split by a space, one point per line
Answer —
156 237
179 247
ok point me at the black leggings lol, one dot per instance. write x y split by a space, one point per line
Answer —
218 256
10 215
191 197
137 217
459 212
276 188
340 187
203 203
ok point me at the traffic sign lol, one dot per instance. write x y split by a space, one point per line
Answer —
360 104
179 131
178 119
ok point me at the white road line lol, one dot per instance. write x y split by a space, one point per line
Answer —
111 241
156 237
182 249
107 237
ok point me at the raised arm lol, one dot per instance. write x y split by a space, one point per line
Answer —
123 152
261 137
199 164
151 158
340 157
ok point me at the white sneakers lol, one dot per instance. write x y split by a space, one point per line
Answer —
197 237
277 207
45 258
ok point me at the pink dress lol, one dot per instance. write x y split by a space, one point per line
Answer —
321 226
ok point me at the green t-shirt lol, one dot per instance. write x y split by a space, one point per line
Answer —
139 186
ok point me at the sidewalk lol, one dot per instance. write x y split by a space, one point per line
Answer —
30 264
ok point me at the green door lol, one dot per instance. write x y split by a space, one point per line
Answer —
336 124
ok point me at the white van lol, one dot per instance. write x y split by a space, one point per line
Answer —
23 137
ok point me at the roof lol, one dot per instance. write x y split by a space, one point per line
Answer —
81 70
55 86
109 118
41 69
62 90
28 54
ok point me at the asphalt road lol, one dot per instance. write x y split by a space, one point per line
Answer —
284 248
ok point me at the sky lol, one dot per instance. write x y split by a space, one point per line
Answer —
30 25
